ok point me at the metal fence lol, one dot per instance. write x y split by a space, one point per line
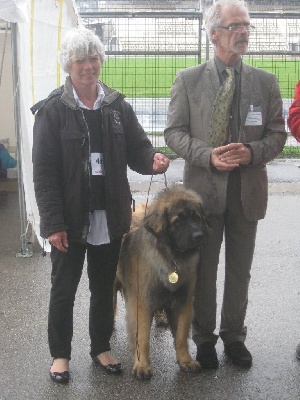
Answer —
145 50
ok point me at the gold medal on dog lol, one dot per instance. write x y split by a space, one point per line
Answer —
173 277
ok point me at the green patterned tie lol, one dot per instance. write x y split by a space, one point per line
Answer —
219 123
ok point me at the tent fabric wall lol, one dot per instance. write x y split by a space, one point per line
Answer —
14 10
7 126
38 39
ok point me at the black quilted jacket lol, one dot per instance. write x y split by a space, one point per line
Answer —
61 154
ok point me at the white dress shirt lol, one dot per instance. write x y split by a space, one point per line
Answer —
98 233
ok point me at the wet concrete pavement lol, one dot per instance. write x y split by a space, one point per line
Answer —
273 317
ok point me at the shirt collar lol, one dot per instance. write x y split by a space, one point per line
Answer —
221 66
97 104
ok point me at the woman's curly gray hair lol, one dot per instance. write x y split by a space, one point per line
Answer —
77 44
213 15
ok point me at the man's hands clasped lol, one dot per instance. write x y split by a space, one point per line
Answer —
226 158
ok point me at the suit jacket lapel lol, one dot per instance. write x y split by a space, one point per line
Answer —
246 90
213 77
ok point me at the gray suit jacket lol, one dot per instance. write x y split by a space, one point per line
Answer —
187 134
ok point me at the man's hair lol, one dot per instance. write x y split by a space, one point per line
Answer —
213 15
77 44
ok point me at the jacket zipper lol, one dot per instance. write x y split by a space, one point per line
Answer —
85 230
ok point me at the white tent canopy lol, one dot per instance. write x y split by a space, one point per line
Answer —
37 28
14 10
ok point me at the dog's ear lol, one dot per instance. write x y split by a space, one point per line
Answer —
154 222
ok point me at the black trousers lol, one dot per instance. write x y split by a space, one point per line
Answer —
66 273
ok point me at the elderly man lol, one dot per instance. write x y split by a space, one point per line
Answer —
225 120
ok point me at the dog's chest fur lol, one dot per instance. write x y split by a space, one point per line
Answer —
159 297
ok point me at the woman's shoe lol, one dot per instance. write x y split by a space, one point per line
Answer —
110 368
59 377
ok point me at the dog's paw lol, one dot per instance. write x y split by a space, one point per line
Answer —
161 319
142 372
190 366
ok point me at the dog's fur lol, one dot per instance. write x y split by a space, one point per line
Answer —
167 239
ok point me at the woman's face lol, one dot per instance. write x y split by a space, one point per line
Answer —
85 72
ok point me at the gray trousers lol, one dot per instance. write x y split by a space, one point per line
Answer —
239 234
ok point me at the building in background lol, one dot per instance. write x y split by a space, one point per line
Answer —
178 5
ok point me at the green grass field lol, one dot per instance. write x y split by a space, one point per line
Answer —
287 72
144 76
152 76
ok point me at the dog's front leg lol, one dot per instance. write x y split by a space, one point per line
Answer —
184 359
139 331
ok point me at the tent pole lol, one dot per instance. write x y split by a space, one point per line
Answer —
26 249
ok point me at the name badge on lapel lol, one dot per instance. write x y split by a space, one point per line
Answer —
254 117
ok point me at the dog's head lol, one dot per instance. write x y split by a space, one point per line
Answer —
176 217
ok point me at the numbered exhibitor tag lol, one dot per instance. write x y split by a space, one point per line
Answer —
254 117
97 164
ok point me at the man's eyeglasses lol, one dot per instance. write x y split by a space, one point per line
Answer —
238 27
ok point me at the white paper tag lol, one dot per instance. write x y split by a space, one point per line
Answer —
254 117
97 164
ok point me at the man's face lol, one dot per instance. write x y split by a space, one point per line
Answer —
233 42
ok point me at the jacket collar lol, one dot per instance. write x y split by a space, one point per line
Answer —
110 95
66 94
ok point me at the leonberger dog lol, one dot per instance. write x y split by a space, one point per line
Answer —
157 271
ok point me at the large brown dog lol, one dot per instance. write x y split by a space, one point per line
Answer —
157 270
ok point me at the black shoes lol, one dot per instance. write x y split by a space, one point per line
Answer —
298 351
207 356
60 377
238 354
110 368
64 377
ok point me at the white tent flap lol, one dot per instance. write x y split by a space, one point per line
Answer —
38 73
14 10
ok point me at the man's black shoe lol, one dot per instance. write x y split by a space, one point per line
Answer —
239 354
207 356
298 351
